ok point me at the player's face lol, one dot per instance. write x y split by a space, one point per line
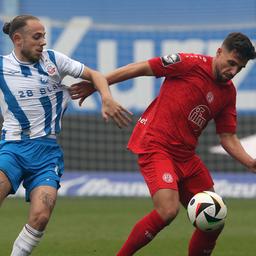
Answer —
226 65
31 41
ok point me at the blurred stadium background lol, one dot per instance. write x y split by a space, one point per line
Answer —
105 34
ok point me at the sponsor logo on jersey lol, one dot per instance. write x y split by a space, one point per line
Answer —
196 56
170 59
167 177
199 116
142 120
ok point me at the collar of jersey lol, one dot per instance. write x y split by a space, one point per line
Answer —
21 62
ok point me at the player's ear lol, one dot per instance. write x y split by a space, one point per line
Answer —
218 51
16 38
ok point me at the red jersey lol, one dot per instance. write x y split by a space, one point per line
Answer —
189 98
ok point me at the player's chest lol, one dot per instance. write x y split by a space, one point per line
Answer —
30 83
216 97
210 94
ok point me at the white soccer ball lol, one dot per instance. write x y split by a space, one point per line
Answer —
207 211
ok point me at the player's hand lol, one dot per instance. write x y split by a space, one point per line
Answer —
81 91
112 109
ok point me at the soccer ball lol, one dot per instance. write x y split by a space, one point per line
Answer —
207 211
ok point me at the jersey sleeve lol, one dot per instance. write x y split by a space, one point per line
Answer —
226 121
172 65
65 65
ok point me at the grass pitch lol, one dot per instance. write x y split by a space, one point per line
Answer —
99 226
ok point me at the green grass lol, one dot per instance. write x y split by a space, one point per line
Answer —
99 226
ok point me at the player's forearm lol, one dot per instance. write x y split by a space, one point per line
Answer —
128 72
118 75
121 74
232 145
100 83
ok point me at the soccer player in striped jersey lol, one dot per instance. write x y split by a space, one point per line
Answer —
33 101
196 89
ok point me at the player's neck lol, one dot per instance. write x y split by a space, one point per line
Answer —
20 57
214 68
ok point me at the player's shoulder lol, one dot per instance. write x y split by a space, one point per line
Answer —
8 61
48 52
170 59
196 58
9 56
190 59
53 56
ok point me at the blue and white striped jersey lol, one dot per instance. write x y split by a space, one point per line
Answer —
32 98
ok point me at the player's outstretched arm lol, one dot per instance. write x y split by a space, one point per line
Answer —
233 146
110 108
84 89
129 71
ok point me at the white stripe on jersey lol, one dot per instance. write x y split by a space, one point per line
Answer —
32 98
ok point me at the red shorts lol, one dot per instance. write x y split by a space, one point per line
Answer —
162 172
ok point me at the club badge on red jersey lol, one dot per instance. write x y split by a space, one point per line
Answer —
167 177
170 59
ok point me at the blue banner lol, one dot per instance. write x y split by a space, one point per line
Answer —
114 184
107 46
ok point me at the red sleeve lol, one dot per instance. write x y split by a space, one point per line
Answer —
172 64
226 121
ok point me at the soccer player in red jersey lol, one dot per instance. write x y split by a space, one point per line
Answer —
196 89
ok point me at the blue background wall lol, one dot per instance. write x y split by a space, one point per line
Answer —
207 22
147 11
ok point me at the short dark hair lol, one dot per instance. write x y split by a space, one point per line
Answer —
17 23
240 43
